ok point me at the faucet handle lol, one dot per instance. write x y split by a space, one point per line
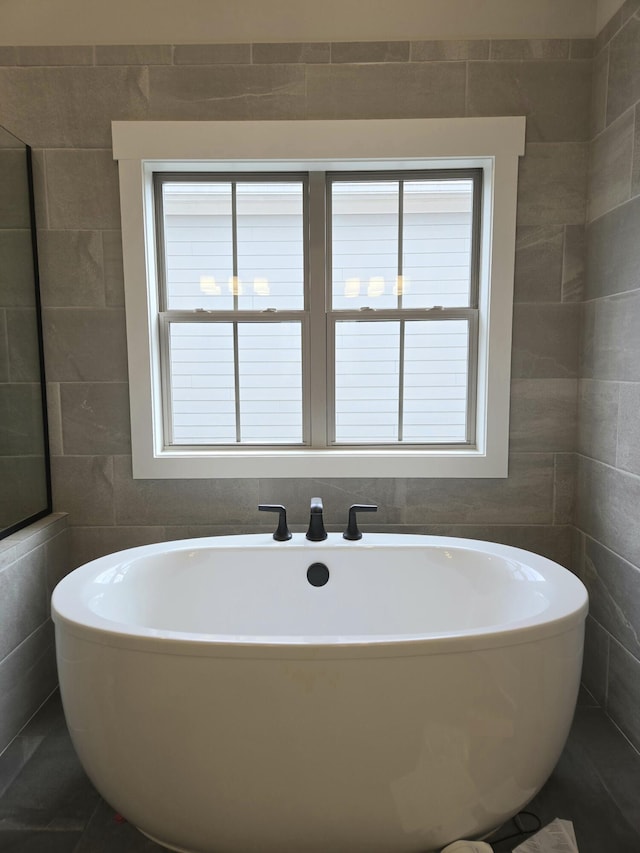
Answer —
352 531
282 533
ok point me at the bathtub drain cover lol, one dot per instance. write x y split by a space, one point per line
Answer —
317 574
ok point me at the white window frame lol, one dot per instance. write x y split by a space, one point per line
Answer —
492 144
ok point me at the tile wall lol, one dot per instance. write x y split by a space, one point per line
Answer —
607 514
62 100
32 562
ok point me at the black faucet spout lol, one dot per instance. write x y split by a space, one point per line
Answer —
316 531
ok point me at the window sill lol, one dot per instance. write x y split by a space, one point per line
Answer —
320 463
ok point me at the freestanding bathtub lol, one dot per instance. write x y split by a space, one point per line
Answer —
223 703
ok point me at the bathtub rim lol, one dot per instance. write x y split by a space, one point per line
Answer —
111 633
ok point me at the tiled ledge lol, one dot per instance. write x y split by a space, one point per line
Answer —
299 52
25 540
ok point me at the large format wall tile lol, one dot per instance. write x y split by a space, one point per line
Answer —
388 494
71 268
607 502
611 338
554 96
84 486
23 600
552 184
610 166
203 501
85 344
95 418
545 339
543 414
82 189
539 263
612 583
71 107
525 497
628 456
613 251
27 676
598 419
227 92
623 698
624 70
433 89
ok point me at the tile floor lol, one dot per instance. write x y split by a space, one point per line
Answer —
47 804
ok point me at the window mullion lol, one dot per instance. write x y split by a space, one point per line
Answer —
316 379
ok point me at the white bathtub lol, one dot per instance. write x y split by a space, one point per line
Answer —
223 704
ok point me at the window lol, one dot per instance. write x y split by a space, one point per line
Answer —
343 316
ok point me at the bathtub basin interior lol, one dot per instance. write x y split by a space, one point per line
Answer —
385 588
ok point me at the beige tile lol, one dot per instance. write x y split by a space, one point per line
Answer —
23 598
598 404
538 270
90 543
83 488
227 92
564 488
543 415
16 268
510 49
613 251
623 89
524 497
599 92
27 677
610 166
113 270
54 55
430 51
71 107
71 268
552 184
545 341
582 48
429 89
573 263
54 418
85 344
607 503
306 52
23 346
555 96
57 559
628 437
370 51
611 338
82 189
337 495
14 200
211 54
134 54
95 418
176 501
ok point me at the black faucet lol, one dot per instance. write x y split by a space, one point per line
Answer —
316 531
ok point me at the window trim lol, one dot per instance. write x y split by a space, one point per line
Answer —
493 144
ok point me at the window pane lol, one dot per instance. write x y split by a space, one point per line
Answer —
268 268
202 383
270 246
364 244
435 381
367 381
270 356
198 245
437 231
